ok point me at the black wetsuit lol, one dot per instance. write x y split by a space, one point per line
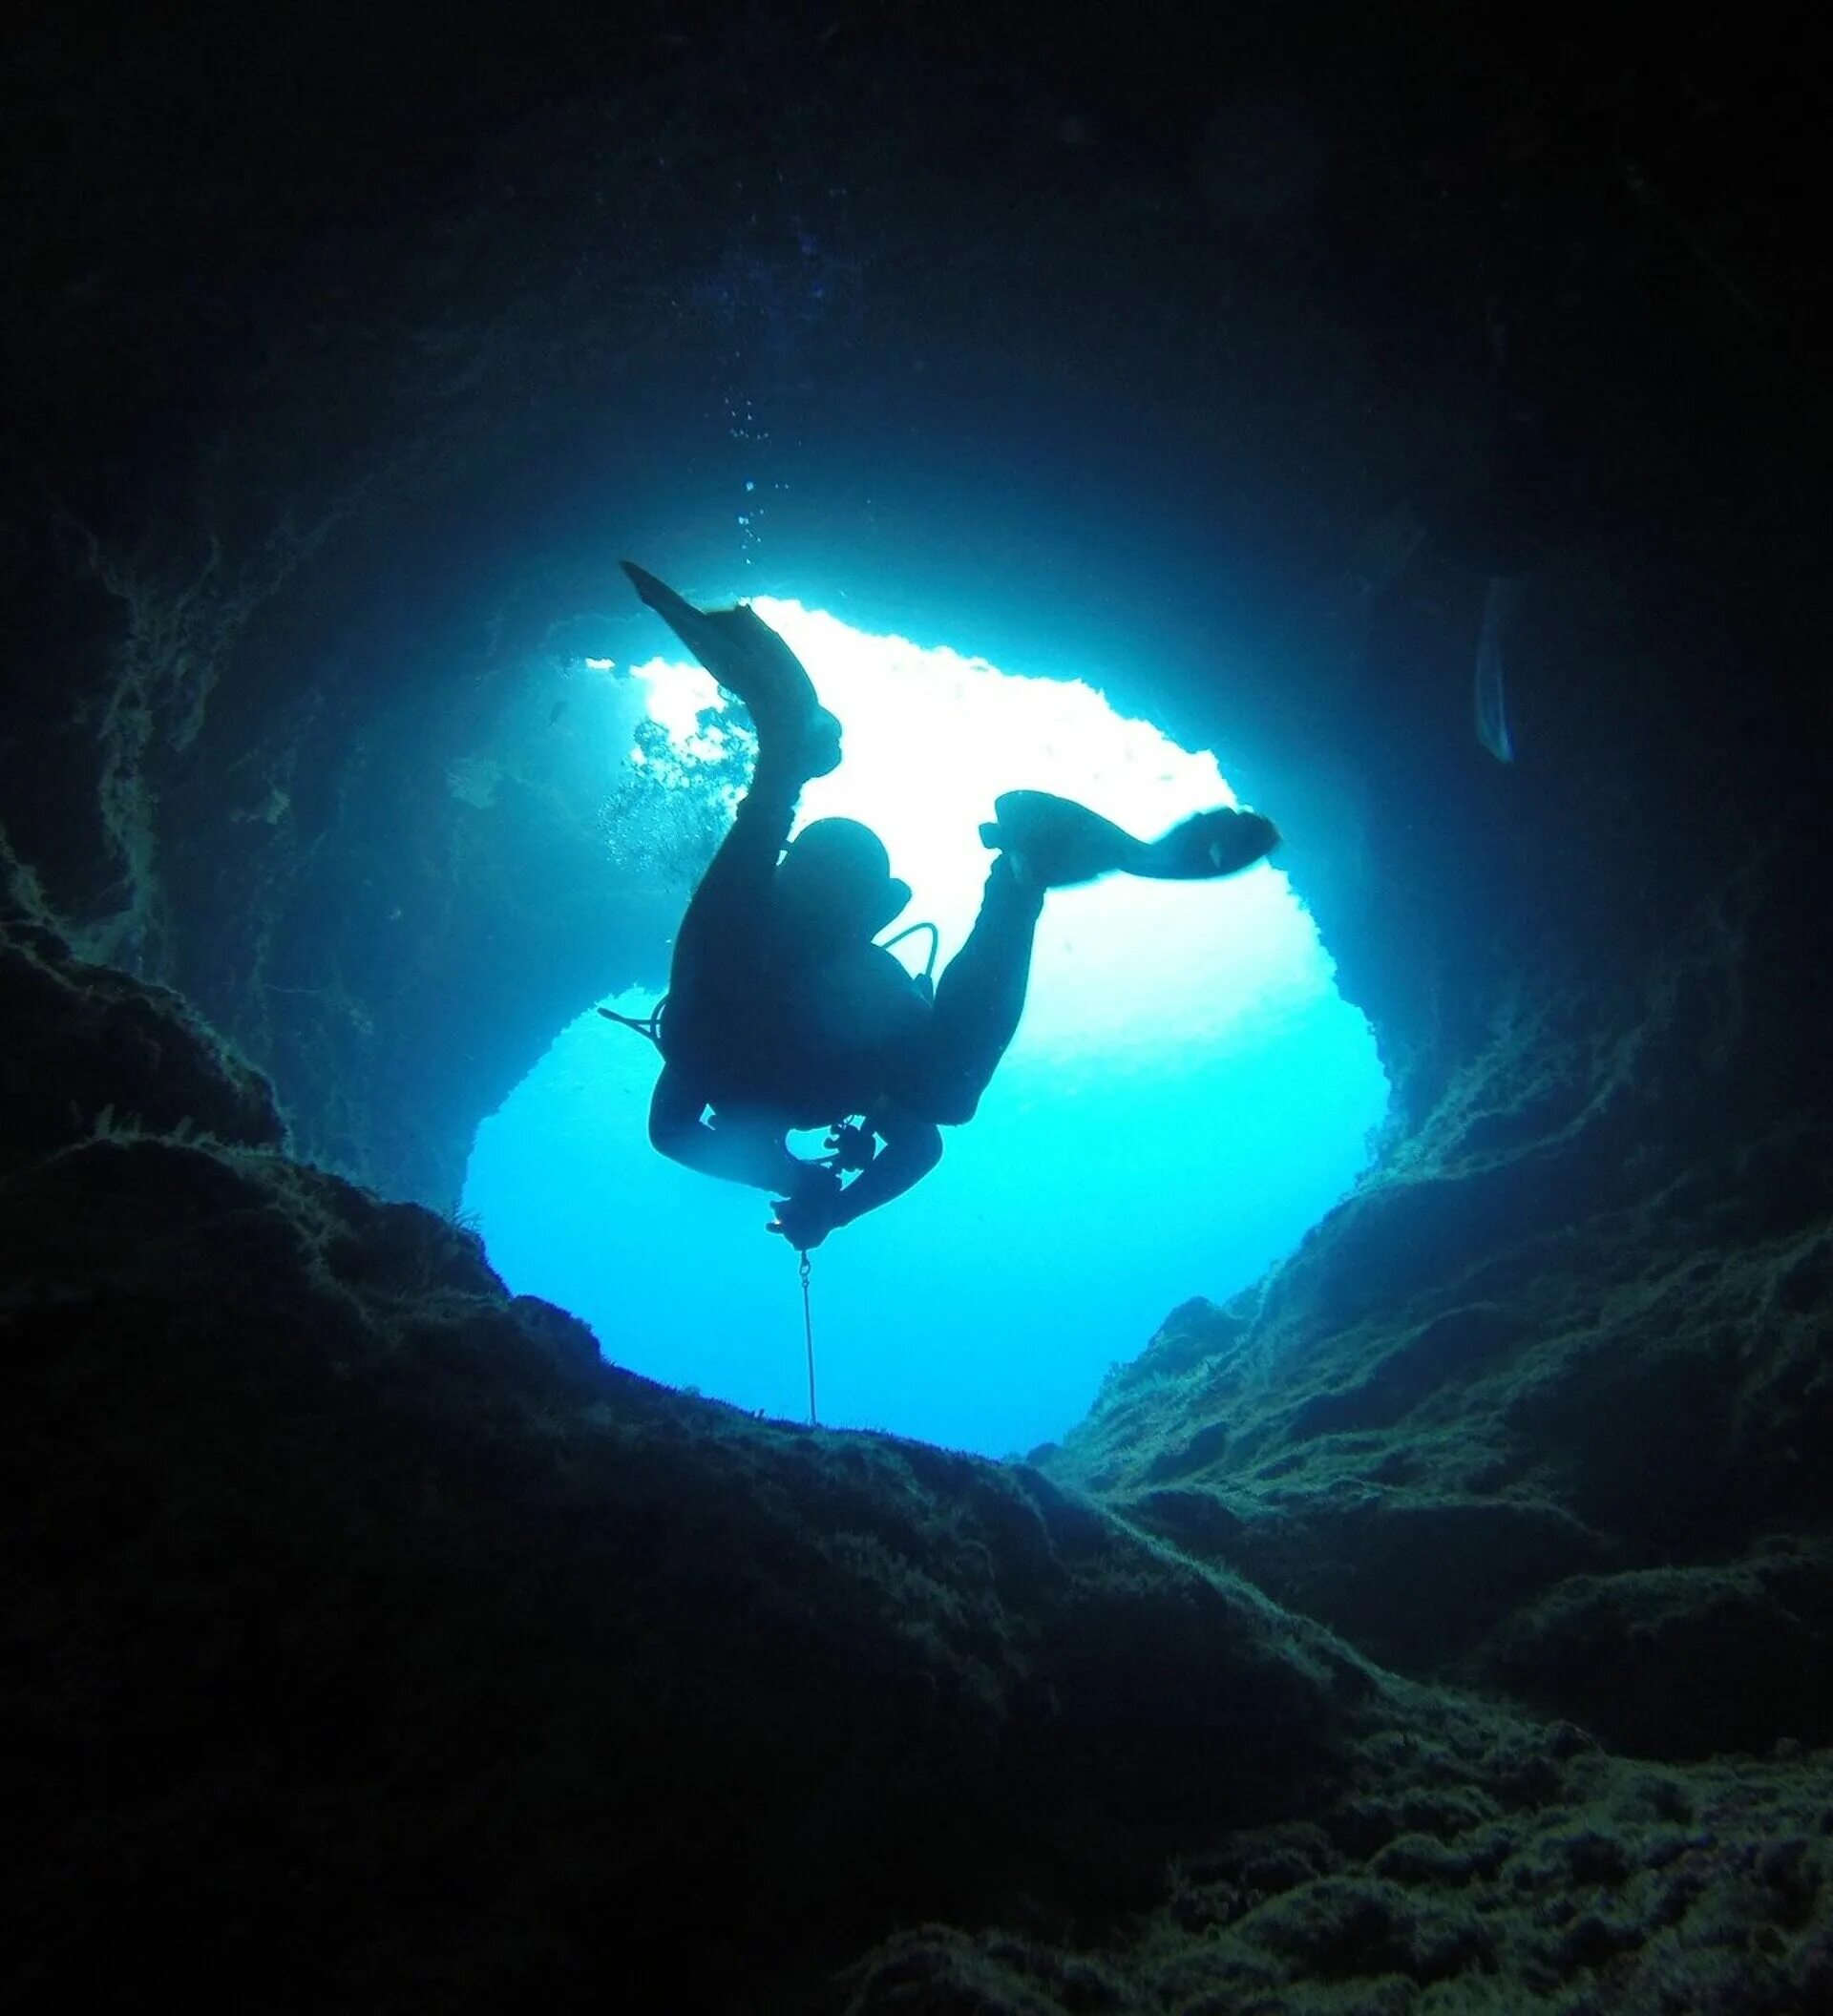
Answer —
775 1035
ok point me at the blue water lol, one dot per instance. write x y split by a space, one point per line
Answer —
1187 1096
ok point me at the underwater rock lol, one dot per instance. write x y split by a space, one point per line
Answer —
1681 1662
322 1546
1539 1390
347 1548
1350 1558
1477 1866
344 1547
85 1049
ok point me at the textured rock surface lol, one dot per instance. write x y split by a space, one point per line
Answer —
370 1644
85 1049
360 1618
1541 1401
1476 1867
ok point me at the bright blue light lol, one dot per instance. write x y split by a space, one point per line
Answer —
1187 1096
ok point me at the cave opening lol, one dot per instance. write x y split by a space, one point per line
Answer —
1187 1093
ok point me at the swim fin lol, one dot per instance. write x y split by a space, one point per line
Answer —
753 664
1211 844
1059 843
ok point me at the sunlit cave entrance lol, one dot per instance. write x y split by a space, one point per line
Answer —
1187 1093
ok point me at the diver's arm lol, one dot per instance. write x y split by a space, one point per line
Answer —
911 1148
739 1153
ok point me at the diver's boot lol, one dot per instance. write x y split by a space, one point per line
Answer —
753 664
1055 843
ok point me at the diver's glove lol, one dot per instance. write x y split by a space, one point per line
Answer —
806 1218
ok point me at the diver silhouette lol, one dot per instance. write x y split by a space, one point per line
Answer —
784 1015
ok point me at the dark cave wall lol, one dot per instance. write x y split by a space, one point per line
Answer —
1546 1404
416 889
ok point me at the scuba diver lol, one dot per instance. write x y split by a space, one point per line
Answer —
783 1014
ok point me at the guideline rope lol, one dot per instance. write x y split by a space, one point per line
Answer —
807 1331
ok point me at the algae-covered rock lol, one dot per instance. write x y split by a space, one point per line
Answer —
86 1047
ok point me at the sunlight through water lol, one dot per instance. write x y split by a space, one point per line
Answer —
1185 1096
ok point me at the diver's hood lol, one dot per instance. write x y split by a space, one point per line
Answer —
836 877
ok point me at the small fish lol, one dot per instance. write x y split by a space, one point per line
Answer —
560 708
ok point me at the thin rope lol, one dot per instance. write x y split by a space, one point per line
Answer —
808 1330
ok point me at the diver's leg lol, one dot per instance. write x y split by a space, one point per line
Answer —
718 948
715 998
716 1002
739 1148
978 1001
